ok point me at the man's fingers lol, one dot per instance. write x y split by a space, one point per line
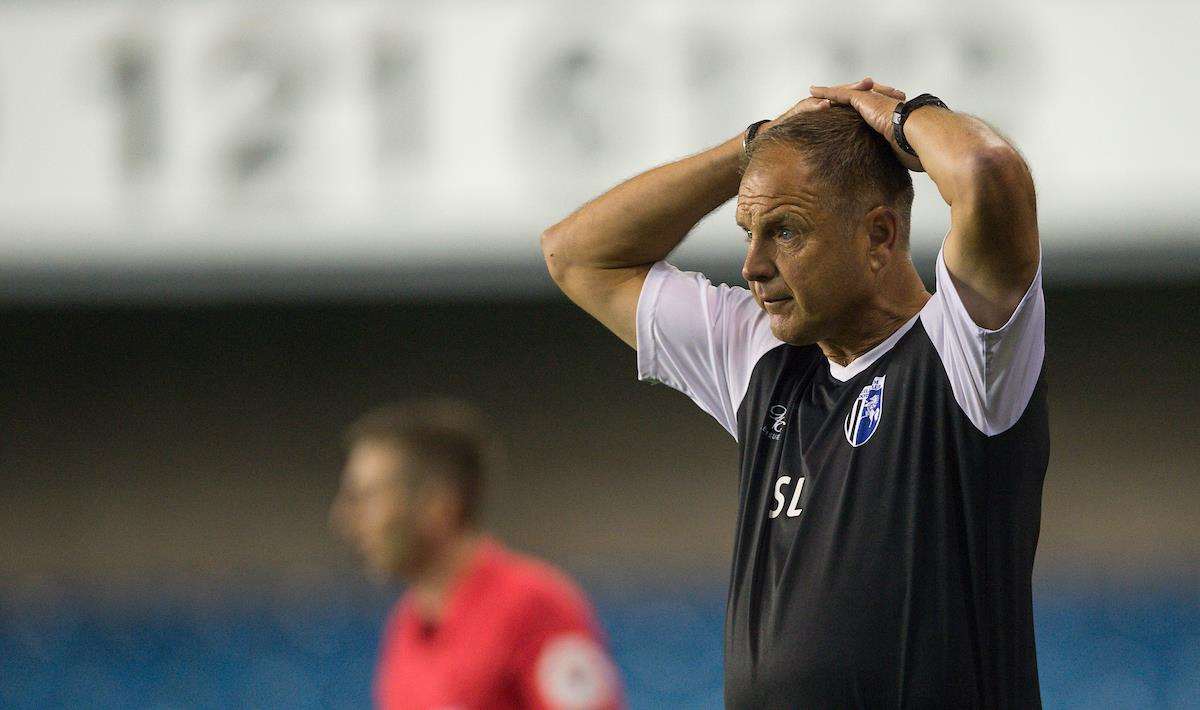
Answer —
865 84
850 97
808 105
888 91
841 93
812 103
837 94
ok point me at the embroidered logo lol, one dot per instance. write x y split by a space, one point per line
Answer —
864 416
776 421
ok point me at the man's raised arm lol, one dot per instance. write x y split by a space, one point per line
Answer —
992 251
600 255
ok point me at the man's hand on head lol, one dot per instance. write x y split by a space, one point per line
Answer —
814 103
875 104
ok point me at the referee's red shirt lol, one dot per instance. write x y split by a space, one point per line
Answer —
515 634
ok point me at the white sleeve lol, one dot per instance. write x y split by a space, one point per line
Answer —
700 339
992 372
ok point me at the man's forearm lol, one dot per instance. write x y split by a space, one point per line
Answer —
968 161
642 219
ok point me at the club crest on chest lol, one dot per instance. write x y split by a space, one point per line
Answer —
864 415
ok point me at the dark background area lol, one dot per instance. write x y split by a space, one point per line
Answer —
158 440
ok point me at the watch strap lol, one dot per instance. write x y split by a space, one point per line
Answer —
752 131
903 111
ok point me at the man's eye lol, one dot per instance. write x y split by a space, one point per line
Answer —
784 234
749 236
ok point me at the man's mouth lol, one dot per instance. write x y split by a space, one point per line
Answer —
775 303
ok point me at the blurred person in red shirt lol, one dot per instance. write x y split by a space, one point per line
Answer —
480 626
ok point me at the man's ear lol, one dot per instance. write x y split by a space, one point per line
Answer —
442 504
883 236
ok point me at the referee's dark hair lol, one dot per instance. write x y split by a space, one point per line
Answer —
451 441
848 156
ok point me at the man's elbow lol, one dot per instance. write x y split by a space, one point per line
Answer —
997 174
553 246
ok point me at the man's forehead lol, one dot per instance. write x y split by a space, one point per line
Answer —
776 178
766 202
370 460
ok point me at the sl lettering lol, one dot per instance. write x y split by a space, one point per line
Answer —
793 507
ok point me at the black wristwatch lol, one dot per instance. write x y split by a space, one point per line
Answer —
752 130
901 115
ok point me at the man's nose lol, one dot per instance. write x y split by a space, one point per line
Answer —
758 265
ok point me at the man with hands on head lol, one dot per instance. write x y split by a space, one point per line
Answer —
892 442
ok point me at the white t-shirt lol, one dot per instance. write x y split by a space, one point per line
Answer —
705 340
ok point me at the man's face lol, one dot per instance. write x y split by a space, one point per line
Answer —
805 264
376 511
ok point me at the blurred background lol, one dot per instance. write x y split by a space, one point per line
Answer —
226 229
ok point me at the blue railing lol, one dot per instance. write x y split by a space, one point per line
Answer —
1096 649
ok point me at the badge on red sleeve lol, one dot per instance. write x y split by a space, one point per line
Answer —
574 673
